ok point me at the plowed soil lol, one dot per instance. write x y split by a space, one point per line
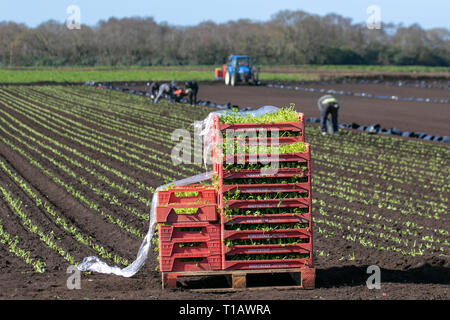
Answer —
403 277
430 118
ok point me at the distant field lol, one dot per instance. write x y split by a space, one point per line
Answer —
421 69
83 75
205 73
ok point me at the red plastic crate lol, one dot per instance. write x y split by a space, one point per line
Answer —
261 234
224 175
267 264
268 141
269 218
267 157
267 249
268 188
205 212
207 248
218 158
173 263
270 203
205 195
298 126
257 173
304 248
209 232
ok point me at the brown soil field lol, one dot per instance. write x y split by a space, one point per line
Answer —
430 118
341 269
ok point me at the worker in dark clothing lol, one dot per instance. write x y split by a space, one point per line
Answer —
192 90
154 88
328 105
165 89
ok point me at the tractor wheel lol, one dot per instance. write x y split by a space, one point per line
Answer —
227 78
233 80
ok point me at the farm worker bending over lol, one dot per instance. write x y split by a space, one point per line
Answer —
154 88
167 89
192 90
328 105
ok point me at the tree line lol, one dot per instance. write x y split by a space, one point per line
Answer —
288 38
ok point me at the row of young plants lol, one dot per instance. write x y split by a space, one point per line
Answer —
241 149
385 174
432 238
400 166
355 231
410 154
120 106
262 134
398 195
142 108
77 194
287 114
357 194
111 199
59 220
56 152
94 114
94 143
143 133
117 173
47 239
13 245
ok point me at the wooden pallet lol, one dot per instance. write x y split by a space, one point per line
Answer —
303 278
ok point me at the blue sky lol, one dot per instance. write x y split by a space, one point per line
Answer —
428 13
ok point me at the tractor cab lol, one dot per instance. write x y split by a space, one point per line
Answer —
238 68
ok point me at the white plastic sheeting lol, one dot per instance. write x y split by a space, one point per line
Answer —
205 127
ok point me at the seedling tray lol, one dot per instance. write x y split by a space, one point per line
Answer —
201 195
267 158
207 248
268 140
257 173
176 263
281 126
269 218
168 213
267 249
269 203
267 264
261 234
268 188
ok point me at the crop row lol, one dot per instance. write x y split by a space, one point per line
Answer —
77 194
59 220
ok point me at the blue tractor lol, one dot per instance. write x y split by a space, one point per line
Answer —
239 69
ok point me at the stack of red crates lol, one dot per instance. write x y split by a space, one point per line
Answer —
264 232
189 229
249 234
